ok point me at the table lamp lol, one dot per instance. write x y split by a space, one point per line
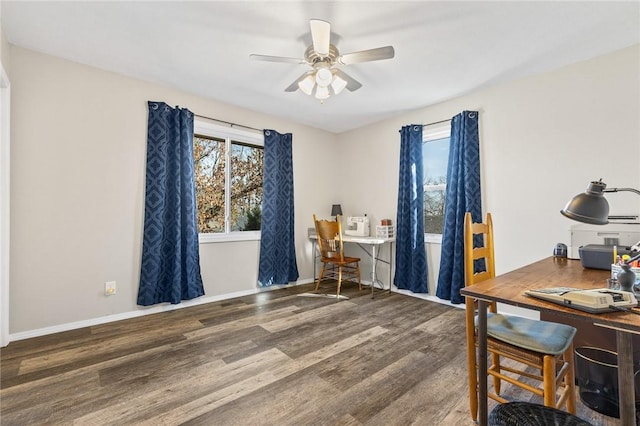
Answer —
336 209
591 206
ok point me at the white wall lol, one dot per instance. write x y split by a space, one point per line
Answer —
77 192
78 157
542 139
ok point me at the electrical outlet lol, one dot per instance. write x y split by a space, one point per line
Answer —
109 288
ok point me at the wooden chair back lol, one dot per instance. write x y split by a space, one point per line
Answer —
474 254
479 262
329 234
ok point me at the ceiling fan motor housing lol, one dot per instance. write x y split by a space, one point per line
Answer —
312 57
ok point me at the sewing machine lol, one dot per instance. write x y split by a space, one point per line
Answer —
357 226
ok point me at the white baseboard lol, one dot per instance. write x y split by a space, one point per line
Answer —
143 311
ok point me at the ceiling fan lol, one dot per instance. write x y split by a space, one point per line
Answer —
325 78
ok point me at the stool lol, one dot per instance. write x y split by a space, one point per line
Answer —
529 414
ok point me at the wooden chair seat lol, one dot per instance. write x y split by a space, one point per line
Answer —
540 336
344 261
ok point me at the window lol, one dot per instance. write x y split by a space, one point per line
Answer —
435 157
228 174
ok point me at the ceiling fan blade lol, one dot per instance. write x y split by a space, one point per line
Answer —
378 54
294 86
321 35
277 59
352 83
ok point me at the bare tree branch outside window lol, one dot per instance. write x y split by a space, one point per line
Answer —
246 167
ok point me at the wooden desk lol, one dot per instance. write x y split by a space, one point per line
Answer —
509 288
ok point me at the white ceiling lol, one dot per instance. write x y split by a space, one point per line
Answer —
443 48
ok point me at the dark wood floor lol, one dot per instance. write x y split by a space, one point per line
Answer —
275 358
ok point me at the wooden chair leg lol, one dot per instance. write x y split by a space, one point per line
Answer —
570 380
339 279
320 276
473 387
496 367
472 363
549 380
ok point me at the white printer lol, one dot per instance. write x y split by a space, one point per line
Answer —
618 234
357 226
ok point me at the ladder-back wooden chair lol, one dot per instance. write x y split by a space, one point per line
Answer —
335 265
545 346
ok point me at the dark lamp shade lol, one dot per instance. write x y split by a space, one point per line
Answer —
590 206
336 210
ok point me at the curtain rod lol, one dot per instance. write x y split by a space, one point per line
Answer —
228 122
436 122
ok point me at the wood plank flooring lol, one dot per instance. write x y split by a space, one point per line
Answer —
274 358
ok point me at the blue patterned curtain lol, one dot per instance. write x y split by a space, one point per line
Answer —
277 241
170 270
411 257
463 195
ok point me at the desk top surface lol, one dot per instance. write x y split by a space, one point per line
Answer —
551 272
361 240
367 240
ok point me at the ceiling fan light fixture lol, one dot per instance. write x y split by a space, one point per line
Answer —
338 84
307 84
322 92
324 77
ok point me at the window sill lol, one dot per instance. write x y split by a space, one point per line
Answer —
433 238
231 237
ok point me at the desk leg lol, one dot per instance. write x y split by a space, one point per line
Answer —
373 267
390 263
624 343
482 363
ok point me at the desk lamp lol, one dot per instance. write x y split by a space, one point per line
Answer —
591 206
336 209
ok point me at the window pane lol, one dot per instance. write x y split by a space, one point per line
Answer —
209 175
435 155
433 212
246 186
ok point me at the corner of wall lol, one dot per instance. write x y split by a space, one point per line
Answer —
5 48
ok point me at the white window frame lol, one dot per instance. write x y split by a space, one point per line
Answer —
229 134
432 133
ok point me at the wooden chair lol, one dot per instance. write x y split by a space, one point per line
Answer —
545 346
335 265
